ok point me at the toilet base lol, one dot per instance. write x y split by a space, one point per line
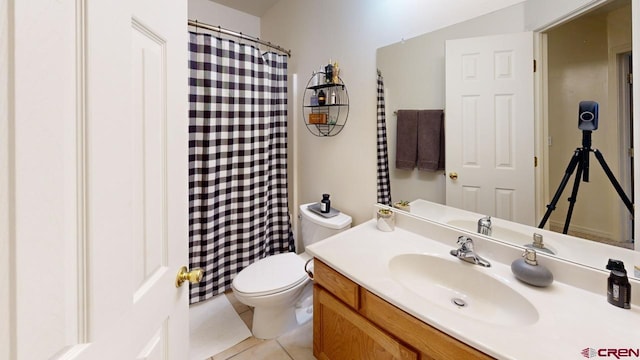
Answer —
269 323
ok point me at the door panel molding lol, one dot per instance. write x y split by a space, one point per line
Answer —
489 120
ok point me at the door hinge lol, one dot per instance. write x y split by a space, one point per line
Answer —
630 78
535 65
630 152
535 161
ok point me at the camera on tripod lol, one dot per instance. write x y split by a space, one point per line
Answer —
588 115
587 122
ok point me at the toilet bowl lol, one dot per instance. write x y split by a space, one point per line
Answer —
278 287
272 286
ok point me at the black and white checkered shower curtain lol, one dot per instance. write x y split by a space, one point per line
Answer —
238 208
384 184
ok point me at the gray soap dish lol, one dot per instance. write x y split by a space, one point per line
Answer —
527 269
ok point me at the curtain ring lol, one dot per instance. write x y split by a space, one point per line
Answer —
306 269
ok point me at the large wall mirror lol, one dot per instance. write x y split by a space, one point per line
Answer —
585 57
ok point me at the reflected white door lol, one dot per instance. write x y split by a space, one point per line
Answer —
99 218
490 126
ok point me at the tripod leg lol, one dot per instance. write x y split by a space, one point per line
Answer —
567 174
574 195
585 164
613 181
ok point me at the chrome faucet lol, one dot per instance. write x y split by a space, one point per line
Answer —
484 226
466 253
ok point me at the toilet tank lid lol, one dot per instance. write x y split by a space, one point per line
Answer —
338 222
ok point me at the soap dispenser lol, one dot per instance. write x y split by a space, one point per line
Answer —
618 287
529 271
538 244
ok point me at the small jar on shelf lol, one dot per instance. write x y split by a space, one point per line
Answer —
332 98
322 98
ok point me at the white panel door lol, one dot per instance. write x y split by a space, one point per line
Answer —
98 159
489 126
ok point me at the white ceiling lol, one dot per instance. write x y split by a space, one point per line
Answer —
253 7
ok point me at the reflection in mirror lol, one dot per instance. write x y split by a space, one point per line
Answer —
586 59
414 78
591 253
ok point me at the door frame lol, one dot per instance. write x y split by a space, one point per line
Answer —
7 288
619 95
541 122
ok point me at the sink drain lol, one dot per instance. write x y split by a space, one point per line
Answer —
459 302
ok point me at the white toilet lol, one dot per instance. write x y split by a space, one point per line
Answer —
278 287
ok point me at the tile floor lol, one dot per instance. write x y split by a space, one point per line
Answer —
624 244
295 345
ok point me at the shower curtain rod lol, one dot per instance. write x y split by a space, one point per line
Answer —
240 35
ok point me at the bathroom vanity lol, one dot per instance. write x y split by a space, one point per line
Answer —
352 323
401 295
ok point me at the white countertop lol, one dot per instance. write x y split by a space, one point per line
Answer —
570 318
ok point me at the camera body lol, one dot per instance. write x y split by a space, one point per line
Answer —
588 115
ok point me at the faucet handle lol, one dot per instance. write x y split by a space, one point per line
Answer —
465 243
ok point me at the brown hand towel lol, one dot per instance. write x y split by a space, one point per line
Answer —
430 140
406 139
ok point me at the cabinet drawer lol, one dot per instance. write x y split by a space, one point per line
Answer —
337 284
426 339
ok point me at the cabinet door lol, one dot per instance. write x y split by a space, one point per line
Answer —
432 343
340 333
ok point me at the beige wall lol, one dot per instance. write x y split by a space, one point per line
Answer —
219 15
543 13
579 69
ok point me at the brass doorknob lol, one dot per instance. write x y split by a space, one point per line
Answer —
194 276
453 176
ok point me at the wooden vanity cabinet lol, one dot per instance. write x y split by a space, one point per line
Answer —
350 322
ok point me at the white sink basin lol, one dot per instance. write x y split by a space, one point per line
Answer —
500 233
462 288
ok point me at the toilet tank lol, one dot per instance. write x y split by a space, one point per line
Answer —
315 227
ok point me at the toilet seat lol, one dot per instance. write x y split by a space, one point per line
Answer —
270 275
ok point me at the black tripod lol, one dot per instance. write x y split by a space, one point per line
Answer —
581 159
